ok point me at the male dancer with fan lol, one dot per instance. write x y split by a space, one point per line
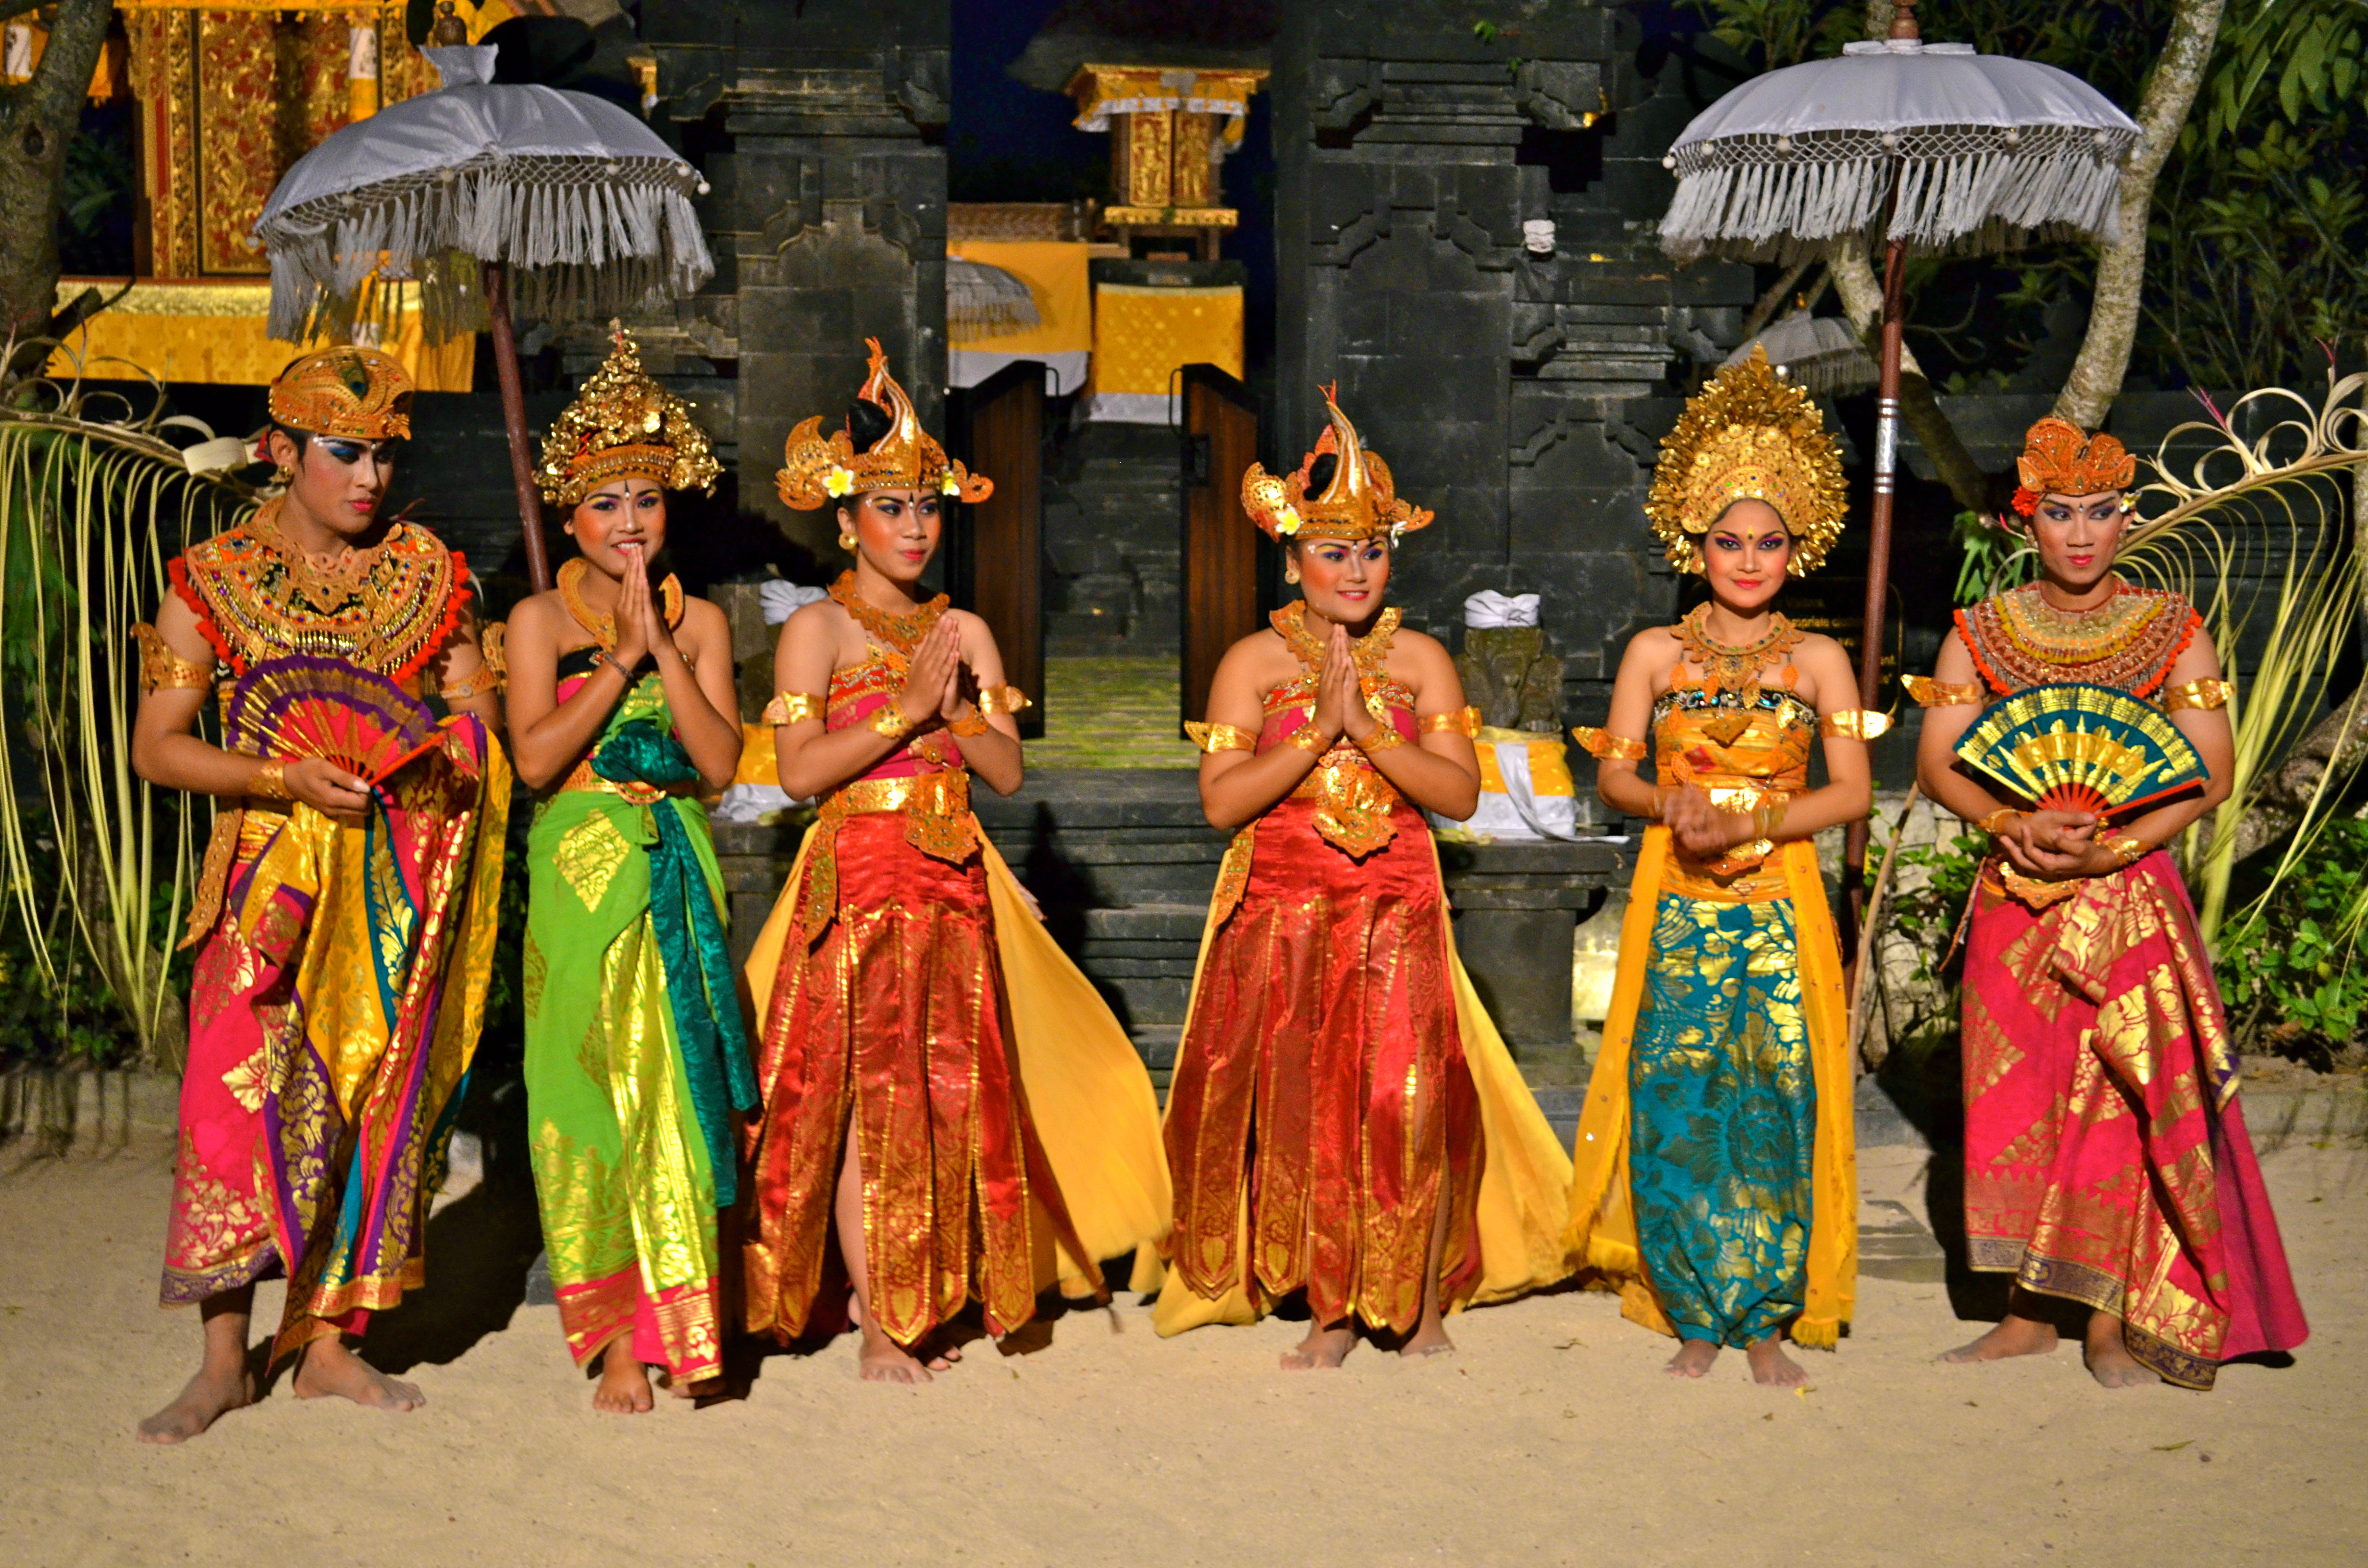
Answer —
344 920
2106 1159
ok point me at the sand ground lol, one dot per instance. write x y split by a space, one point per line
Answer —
1552 1438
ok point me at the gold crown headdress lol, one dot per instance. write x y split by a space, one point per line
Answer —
1748 435
1360 501
2060 459
815 471
357 394
623 424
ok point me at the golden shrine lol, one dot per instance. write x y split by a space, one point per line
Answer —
1170 130
228 95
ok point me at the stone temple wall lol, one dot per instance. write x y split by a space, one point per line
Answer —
1517 394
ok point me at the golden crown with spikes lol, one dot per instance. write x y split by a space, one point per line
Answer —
623 424
358 394
816 473
1748 435
1360 501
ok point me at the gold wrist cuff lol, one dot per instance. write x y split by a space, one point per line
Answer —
792 708
996 700
1384 737
1464 722
1214 738
1310 739
2000 820
2127 847
1926 692
966 726
890 721
1606 747
270 781
2207 694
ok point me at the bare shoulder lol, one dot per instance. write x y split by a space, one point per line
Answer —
1423 656
1657 647
972 629
1262 657
538 615
1819 654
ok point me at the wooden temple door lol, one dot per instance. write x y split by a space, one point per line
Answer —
1220 543
996 565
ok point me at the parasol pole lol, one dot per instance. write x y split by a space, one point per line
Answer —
506 369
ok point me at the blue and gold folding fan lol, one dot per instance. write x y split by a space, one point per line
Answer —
2075 747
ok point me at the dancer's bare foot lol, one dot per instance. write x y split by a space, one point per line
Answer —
1430 1339
882 1361
2108 1356
1771 1366
206 1399
1322 1350
330 1370
1693 1359
2014 1336
624 1386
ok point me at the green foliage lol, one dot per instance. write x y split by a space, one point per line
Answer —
1928 914
2292 971
1993 560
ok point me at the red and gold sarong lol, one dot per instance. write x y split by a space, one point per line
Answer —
2106 1156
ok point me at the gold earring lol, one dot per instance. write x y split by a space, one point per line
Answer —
1291 575
283 474
847 543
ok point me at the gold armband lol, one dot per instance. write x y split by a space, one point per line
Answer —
1930 693
890 721
477 685
2207 694
270 781
1768 815
1214 738
967 726
996 700
1608 747
1309 739
1854 723
2000 820
1384 737
791 708
1464 722
161 669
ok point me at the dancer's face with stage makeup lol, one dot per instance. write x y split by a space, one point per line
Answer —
1746 555
896 531
620 525
2077 536
1344 581
336 481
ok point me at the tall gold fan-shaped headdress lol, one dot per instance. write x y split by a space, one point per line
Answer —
623 424
815 471
1748 435
1359 501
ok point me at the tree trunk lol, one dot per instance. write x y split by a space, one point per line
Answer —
38 119
2104 359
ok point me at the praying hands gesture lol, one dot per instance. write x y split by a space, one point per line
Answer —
1339 699
933 678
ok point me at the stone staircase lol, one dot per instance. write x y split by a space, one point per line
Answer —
1113 541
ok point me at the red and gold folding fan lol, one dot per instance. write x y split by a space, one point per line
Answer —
2076 747
304 706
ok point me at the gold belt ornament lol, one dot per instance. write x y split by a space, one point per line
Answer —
632 790
937 823
1353 804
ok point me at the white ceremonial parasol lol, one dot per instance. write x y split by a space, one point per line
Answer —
555 203
986 302
1820 355
1929 146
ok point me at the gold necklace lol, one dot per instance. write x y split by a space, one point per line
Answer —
902 632
1729 668
603 627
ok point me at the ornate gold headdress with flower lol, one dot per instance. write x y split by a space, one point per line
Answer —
1748 435
1360 501
357 394
623 424
2060 459
815 471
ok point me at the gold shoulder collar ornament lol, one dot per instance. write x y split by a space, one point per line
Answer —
1360 501
1748 435
816 472
623 424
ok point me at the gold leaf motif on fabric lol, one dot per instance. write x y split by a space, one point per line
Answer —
533 970
589 856
248 1080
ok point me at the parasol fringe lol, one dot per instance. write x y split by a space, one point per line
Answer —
1985 199
575 251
